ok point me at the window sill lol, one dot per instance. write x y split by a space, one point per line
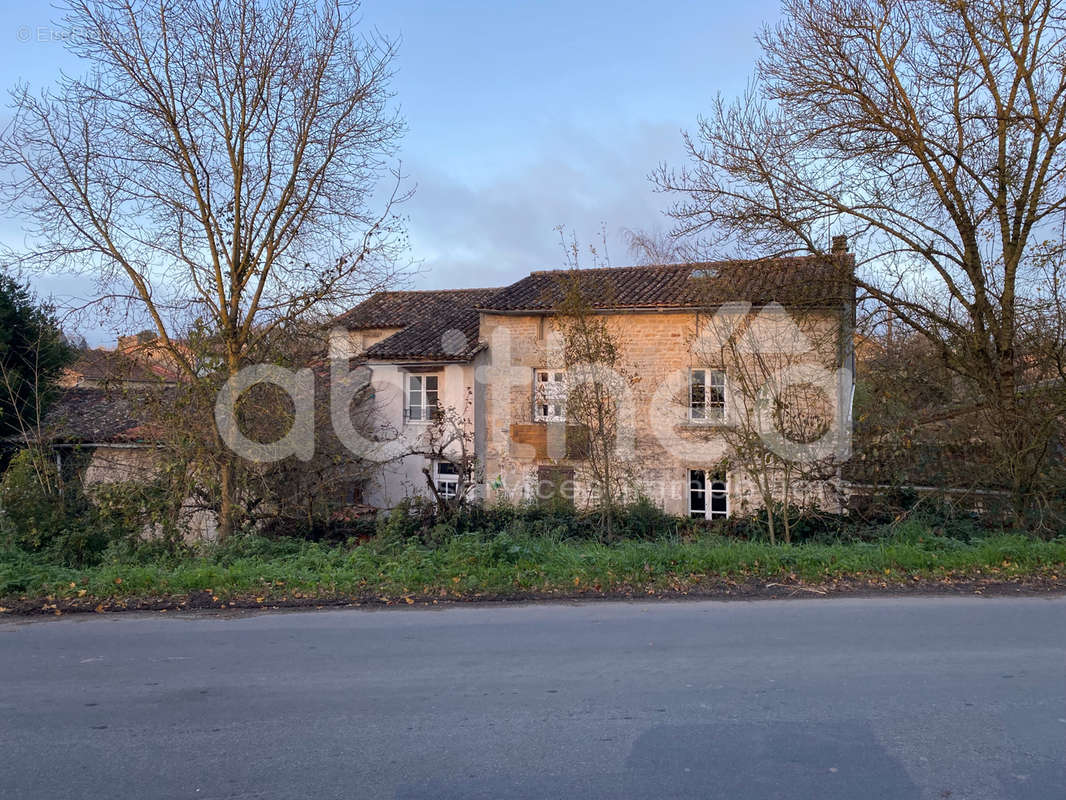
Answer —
702 424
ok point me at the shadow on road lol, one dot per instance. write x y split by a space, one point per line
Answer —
728 761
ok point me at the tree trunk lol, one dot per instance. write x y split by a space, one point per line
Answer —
228 500
785 517
770 519
1014 437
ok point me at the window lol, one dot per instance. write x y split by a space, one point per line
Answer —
350 494
549 395
421 398
446 478
706 395
700 485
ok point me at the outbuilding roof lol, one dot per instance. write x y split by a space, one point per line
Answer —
116 367
93 416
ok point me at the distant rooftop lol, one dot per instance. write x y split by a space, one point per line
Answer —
98 367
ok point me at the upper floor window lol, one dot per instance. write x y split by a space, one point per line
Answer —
549 395
706 395
422 397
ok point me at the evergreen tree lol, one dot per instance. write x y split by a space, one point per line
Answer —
33 352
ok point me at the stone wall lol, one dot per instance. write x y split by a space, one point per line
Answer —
659 441
349 344
125 464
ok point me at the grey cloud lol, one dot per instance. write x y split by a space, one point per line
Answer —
493 233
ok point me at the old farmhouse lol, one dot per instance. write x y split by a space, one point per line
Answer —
493 362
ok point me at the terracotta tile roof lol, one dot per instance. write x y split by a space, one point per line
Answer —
436 324
811 281
115 366
443 325
91 416
400 309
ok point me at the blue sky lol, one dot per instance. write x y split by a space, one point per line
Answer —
521 117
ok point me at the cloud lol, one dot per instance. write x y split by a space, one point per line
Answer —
473 227
491 231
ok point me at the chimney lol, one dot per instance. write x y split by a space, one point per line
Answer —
840 244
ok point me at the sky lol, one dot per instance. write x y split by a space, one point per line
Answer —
521 117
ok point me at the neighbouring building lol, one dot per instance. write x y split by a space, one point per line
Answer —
137 362
99 427
423 350
99 412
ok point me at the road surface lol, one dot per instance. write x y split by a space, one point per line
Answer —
845 698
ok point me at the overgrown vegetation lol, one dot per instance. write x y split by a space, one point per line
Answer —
45 511
521 551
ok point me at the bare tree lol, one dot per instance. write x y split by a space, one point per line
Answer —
598 383
449 439
930 133
751 353
217 164
653 247
917 424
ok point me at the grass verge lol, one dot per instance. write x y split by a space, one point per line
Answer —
251 571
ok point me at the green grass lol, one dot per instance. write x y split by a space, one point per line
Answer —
506 564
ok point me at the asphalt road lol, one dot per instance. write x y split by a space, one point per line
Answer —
854 698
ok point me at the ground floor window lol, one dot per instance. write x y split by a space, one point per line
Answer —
708 495
446 479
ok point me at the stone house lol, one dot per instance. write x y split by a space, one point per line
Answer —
98 413
494 357
97 419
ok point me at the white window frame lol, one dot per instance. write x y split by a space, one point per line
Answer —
549 395
707 410
715 485
428 406
447 482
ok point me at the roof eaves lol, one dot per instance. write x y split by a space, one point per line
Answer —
657 309
421 360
